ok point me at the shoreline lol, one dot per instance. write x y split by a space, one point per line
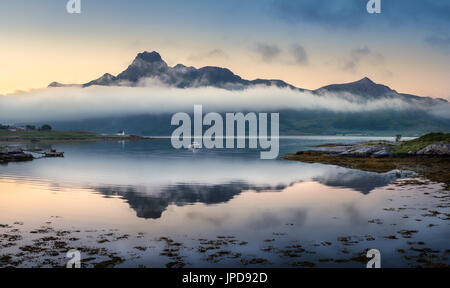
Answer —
11 142
428 156
67 140
23 137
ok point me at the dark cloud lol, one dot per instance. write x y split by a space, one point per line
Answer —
215 53
355 58
353 14
363 54
362 51
268 52
296 54
328 13
299 53
439 41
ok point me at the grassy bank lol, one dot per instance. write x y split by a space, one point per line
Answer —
7 136
419 143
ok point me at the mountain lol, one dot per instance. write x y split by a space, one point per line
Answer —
106 80
57 84
364 87
369 90
151 65
386 121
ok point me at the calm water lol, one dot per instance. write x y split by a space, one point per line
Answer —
152 206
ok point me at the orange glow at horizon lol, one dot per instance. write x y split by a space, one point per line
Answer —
23 68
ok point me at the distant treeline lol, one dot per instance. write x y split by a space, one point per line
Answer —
44 127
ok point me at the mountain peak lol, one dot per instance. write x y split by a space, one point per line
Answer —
107 76
146 64
149 56
364 87
57 85
105 80
365 80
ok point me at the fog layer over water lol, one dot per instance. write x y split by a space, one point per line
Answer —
74 103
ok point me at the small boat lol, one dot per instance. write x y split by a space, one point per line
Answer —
194 146
53 153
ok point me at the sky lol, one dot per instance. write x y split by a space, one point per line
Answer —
308 43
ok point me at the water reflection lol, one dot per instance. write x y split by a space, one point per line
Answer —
148 204
152 206
361 181
151 175
102 191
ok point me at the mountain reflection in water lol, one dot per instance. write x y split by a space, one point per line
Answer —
151 175
153 205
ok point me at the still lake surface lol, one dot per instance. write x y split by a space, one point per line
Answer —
146 204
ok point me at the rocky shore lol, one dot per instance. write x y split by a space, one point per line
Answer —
378 150
14 154
428 156
423 146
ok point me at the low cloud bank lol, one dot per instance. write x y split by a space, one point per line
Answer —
70 103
